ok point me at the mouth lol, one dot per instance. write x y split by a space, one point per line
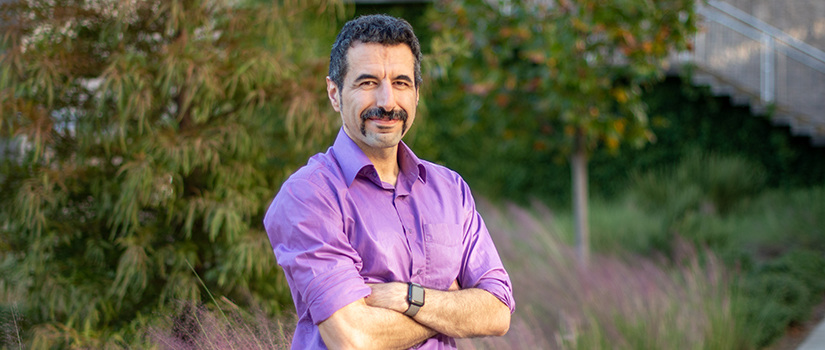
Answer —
384 120
382 125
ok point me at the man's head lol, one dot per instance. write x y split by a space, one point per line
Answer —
374 79
379 29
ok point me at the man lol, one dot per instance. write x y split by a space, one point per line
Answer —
380 249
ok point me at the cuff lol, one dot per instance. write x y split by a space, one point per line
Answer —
329 292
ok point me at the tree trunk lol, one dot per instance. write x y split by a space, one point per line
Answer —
578 168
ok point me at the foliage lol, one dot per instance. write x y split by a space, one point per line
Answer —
684 118
709 183
781 220
619 227
691 195
687 118
783 291
10 324
141 136
710 199
691 117
522 76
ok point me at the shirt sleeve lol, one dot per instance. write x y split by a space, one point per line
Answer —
306 232
481 266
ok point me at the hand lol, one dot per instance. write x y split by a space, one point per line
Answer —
392 296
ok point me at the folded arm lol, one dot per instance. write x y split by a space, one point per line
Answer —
360 326
462 313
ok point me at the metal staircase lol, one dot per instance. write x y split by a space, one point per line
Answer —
754 63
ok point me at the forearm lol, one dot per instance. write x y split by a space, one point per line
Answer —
359 326
463 313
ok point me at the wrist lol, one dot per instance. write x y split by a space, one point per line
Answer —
415 299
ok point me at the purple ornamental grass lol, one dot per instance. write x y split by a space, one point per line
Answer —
612 303
199 327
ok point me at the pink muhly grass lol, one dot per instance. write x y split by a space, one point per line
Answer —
616 303
199 327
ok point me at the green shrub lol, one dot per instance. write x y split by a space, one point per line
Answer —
775 300
804 265
704 182
705 229
156 133
738 258
695 195
782 220
723 180
768 321
658 189
617 227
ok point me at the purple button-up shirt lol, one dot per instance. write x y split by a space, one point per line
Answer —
335 226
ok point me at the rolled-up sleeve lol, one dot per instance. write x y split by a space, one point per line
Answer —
306 232
481 265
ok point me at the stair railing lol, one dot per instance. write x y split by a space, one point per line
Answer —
766 63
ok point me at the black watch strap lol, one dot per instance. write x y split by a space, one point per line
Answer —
415 298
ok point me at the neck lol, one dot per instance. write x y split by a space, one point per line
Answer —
385 162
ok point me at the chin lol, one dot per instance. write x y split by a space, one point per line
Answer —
384 140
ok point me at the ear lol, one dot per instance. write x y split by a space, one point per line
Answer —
334 95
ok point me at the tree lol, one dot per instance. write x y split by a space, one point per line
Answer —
148 138
561 77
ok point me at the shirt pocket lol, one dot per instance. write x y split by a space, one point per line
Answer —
444 249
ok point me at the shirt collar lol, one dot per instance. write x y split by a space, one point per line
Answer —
410 164
352 159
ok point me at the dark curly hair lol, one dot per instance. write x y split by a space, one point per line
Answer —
380 29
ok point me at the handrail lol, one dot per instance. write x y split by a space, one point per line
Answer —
790 84
756 29
768 29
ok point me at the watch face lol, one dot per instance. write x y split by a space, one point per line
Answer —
416 295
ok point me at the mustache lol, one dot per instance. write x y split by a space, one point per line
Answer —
380 112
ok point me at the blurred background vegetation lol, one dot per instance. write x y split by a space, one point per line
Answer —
142 140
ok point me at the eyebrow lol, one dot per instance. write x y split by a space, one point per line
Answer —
403 77
365 77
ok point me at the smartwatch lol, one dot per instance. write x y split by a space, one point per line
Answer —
415 298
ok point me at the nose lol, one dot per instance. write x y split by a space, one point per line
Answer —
385 96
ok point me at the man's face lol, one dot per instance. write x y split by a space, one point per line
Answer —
378 97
